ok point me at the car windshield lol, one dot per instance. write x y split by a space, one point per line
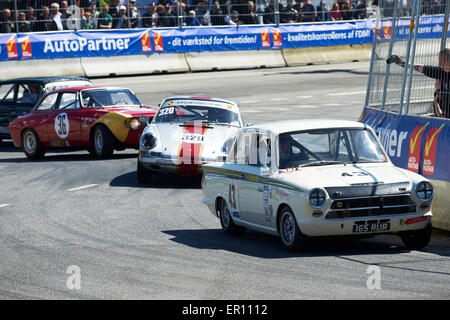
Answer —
330 146
97 98
67 84
205 112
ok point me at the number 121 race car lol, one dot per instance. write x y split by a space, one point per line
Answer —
99 119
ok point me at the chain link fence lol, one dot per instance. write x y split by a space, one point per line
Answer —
417 35
39 15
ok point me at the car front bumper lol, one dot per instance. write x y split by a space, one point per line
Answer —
370 225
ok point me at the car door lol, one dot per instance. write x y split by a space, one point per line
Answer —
64 121
7 93
254 189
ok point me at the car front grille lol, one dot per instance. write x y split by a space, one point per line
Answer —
371 206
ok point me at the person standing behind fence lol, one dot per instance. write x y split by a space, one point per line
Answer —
335 13
308 12
55 15
442 76
32 19
94 14
104 18
45 22
7 24
322 12
289 14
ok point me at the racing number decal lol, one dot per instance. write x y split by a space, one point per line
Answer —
165 111
62 125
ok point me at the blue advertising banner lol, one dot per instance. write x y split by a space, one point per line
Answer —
72 44
419 144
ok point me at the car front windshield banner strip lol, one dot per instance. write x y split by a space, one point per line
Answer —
169 113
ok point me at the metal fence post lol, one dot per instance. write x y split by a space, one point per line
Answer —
372 58
391 45
16 16
277 13
444 32
408 49
416 28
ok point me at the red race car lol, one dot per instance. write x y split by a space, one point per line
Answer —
99 119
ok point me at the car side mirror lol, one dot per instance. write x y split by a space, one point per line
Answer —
249 124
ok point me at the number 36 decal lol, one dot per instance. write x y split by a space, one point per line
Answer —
62 125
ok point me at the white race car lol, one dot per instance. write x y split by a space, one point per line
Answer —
186 133
307 178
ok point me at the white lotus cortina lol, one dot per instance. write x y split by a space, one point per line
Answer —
186 133
307 178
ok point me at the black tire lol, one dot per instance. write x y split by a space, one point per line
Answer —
417 239
290 234
102 142
226 221
143 175
32 146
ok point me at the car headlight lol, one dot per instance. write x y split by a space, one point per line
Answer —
148 141
135 124
424 190
317 198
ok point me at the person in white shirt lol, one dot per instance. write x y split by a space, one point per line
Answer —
56 16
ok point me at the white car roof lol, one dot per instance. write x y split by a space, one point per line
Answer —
279 127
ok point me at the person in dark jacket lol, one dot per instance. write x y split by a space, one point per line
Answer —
442 75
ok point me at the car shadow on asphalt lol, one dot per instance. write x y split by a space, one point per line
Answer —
157 181
60 155
269 247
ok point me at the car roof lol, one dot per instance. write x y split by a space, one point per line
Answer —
278 127
44 79
82 88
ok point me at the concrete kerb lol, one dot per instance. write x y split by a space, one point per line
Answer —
41 68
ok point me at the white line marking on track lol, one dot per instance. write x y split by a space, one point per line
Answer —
278 99
83 187
249 101
345 93
303 97
250 111
333 104
4 205
305 106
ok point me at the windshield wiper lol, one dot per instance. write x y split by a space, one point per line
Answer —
321 163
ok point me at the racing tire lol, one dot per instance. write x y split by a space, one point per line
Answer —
290 234
102 142
32 146
143 174
226 221
417 239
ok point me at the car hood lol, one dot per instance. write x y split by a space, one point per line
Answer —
343 175
201 142
134 111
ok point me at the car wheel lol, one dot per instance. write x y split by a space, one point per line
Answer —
417 239
102 142
143 175
290 234
32 146
226 220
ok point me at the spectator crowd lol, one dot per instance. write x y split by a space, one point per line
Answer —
52 15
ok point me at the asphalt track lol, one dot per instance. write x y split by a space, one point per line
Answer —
131 241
